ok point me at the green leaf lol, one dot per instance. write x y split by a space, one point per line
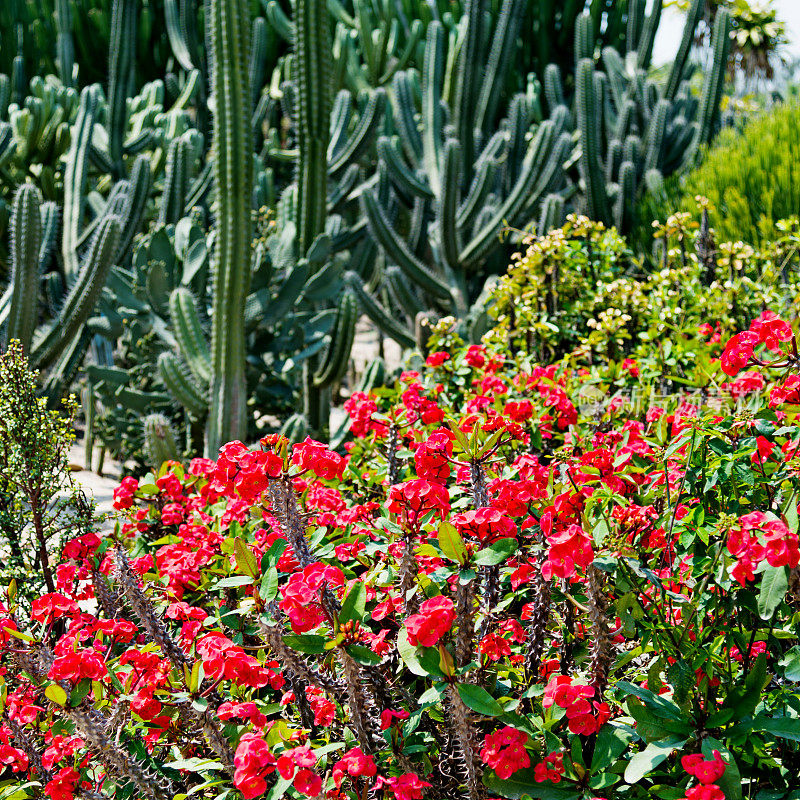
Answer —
648 759
269 585
363 655
354 604
451 543
56 694
79 692
306 643
791 664
523 784
496 553
774 585
611 743
409 655
744 699
273 555
245 559
479 700
782 727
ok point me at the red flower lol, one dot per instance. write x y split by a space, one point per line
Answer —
52 606
771 331
123 494
435 618
549 769
413 499
485 524
569 549
403 787
355 762
437 359
64 785
707 772
709 792
253 762
314 456
504 751
738 352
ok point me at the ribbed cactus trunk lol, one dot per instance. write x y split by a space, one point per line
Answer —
228 37
313 63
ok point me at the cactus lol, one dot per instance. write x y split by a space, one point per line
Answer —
175 183
122 52
159 440
82 295
228 37
313 65
26 241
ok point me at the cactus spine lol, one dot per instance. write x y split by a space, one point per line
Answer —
228 35
159 440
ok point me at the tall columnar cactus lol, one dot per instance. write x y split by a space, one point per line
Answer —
64 43
228 37
313 68
462 183
26 241
122 54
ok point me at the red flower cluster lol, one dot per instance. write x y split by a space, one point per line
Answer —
583 717
435 618
486 525
355 763
551 768
570 549
504 751
757 538
766 329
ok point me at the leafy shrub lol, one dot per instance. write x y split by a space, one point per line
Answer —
39 503
502 589
580 290
751 179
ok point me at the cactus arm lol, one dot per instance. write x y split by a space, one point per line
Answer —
468 84
180 383
655 135
189 334
75 180
363 134
175 183
378 313
552 214
313 69
715 78
133 206
334 362
407 124
402 292
397 250
626 198
501 56
541 159
432 121
693 17
64 44
644 54
448 204
280 23
122 52
159 440
400 175
175 35
589 123
228 24
479 190
82 295
26 239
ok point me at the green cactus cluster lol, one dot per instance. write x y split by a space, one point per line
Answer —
201 218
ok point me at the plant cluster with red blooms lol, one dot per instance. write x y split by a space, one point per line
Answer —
487 594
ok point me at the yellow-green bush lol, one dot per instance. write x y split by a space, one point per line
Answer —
751 177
